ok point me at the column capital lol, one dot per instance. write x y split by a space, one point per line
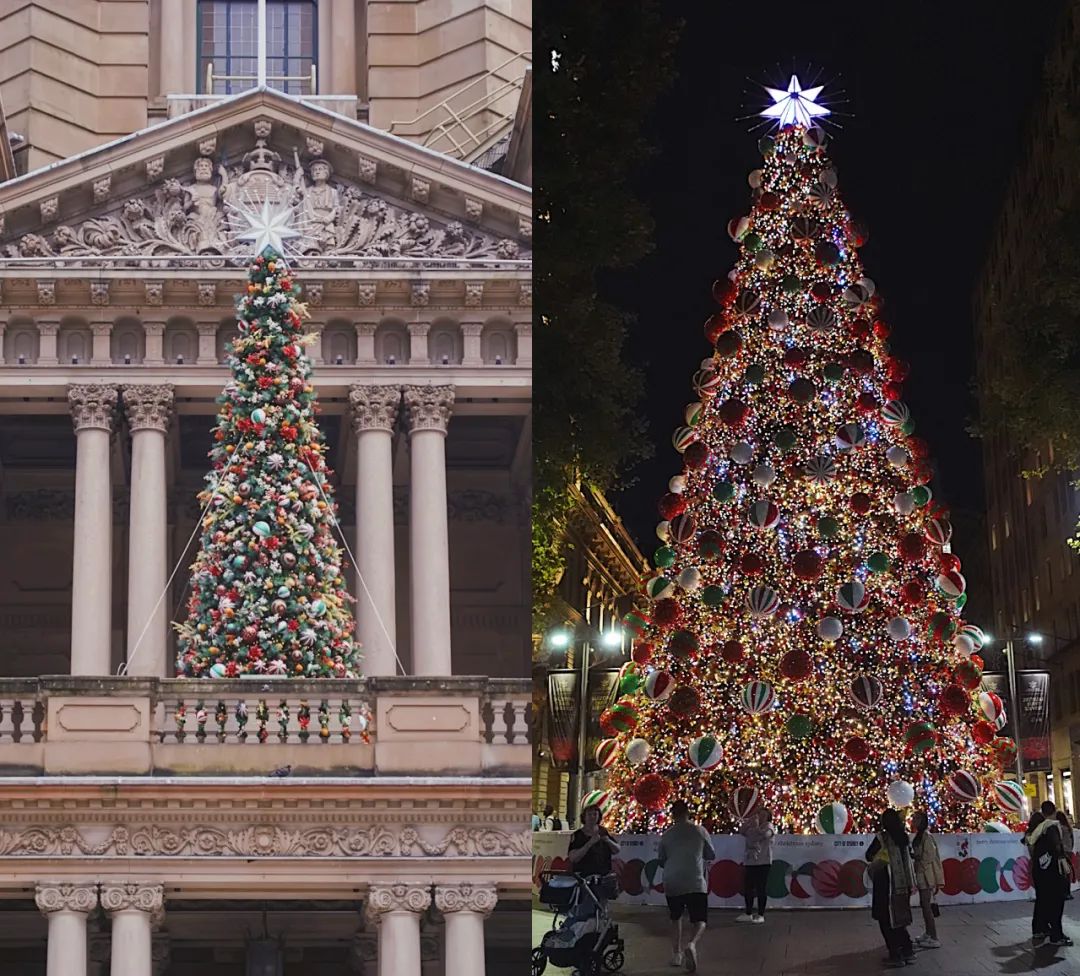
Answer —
524 327
420 329
47 327
429 407
374 407
102 328
92 406
153 327
467 897
366 327
385 898
472 328
132 896
148 407
65 897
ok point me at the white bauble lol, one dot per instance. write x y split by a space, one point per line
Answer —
763 475
904 503
663 531
690 579
830 629
900 793
899 629
897 456
778 320
754 178
742 452
637 751
964 645
677 485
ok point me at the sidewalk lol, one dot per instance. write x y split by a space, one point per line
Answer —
977 940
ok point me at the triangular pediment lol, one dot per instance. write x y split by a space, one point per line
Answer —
176 190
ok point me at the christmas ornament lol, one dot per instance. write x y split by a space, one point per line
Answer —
705 752
833 818
900 794
1009 796
744 801
964 785
758 697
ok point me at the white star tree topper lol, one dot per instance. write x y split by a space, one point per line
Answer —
796 106
268 227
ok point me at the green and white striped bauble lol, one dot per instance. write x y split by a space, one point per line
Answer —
833 818
705 752
758 697
660 588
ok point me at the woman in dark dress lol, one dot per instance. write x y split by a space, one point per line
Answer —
893 875
591 850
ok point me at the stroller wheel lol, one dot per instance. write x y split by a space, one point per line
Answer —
539 962
613 960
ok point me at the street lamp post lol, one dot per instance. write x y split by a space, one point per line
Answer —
1011 664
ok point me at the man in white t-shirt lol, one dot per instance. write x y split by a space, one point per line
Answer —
684 850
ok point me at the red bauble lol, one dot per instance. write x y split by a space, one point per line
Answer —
752 564
732 413
860 503
723 291
729 344
955 700
856 749
912 593
666 613
821 291
897 369
652 791
732 651
949 562
917 448
860 328
710 544
882 330
671 505
983 732
715 325
642 653
867 403
683 644
696 455
684 701
795 356
769 201
892 390
807 564
796 665
861 362
912 546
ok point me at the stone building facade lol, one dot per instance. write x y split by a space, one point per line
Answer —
1034 575
157 825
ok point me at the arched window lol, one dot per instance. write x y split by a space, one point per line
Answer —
127 343
391 344
339 345
444 345
75 344
181 343
21 343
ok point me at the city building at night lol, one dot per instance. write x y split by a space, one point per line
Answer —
179 826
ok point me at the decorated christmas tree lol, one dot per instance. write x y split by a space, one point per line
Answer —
267 587
803 647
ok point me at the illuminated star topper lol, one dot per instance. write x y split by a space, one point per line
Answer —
796 106
269 226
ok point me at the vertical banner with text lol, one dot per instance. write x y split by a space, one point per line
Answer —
1033 693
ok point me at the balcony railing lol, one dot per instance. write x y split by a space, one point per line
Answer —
157 726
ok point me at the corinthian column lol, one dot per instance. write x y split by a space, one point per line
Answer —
374 412
465 906
397 909
429 543
148 410
133 908
66 906
92 409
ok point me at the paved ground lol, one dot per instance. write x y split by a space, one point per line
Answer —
977 940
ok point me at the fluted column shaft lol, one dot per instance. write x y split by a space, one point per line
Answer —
132 908
92 409
67 907
374 413
148 410
429 409
398 908
465 907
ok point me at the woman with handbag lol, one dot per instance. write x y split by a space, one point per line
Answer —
1050 876
929 878
892 873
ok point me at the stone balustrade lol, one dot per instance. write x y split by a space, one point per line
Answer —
67 724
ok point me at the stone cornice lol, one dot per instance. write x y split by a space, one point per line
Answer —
466 897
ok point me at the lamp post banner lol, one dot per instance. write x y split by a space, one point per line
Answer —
811 870
1033 691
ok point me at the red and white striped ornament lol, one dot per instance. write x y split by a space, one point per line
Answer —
952 584
762 601
659 685
683 438
764 514
991 705
850 436
744 801
758 697
866 691
895 414
705 752
821 470
706 382
964 785
607 752
852 597
1009 796
683 528
939 531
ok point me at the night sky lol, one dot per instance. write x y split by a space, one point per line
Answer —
937 96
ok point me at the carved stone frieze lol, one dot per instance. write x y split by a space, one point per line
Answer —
197 215
132 896
365 293
466 897
525 292
92 405
525 228
261 841
369 168
46 292
263 128
154 292
313 292
374 407
207 293
99 293
102 187
154 169
148 407
474 210
474 294
429 407
39 505
66 897
383 898
477 505
314 146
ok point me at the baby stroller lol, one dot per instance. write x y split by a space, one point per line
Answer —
587 941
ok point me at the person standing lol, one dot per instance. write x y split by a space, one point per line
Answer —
684 850
591 846
550 821
757 862
1049 873
929 878
893 876
1067 843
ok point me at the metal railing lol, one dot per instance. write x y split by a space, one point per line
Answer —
470 130
312 79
